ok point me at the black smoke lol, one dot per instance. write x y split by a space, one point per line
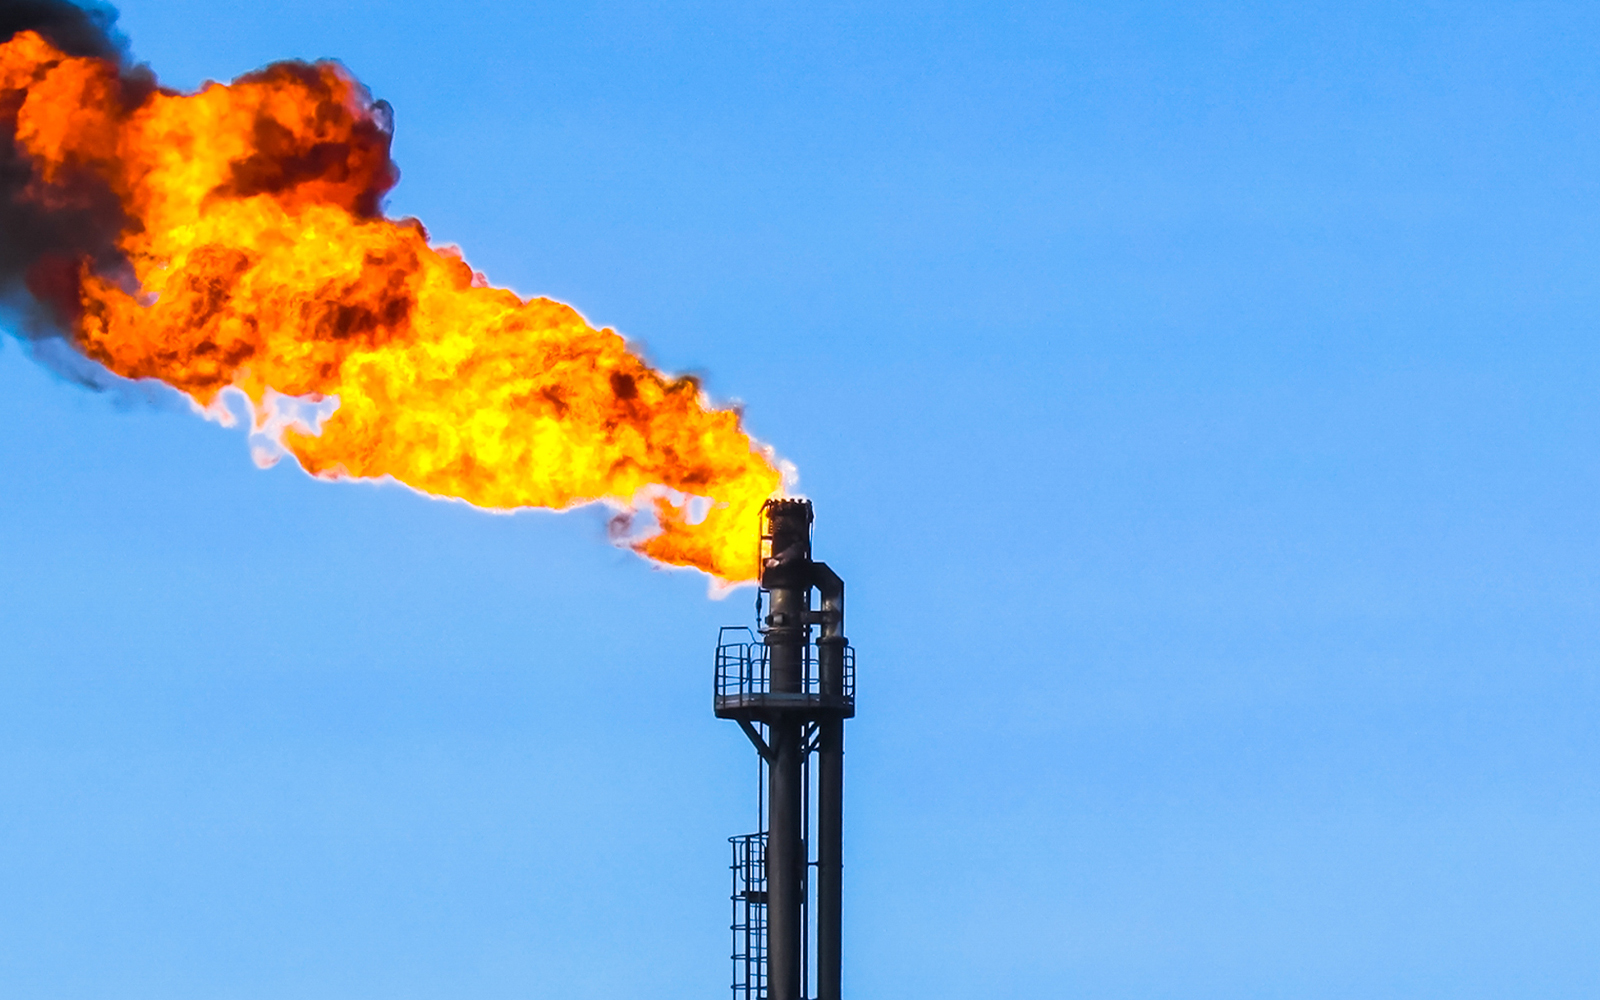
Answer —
43 240
77 30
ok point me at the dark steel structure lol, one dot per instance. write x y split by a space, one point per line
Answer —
790 694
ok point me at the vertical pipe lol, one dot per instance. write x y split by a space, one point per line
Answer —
830 856
830 787
786 639
784 887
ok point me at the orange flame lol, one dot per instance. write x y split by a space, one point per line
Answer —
260 260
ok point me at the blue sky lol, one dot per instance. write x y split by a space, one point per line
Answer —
1198 400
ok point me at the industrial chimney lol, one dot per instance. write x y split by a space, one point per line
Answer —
790 695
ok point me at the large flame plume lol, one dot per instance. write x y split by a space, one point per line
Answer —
233 238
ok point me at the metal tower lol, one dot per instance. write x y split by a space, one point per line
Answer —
790 695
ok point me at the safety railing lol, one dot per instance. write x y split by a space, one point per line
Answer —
749 916
744 677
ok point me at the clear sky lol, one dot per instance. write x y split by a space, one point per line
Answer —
1199 400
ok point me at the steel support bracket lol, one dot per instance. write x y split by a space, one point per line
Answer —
755 738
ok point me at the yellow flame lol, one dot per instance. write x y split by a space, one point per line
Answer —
260 261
